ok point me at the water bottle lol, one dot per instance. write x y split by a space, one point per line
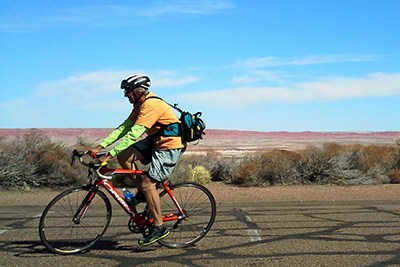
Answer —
129 197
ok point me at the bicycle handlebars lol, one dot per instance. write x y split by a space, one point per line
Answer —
100 167
80 154
94 165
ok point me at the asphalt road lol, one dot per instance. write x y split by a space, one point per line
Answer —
351 233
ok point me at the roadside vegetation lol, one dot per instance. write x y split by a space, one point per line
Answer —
35 161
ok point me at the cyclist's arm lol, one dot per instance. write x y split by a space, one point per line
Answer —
118 132
129 139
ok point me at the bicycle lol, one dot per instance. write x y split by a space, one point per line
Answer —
77 218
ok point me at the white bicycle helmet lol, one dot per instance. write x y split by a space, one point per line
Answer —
135 81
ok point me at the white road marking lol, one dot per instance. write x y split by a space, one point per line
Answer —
253 233
2 231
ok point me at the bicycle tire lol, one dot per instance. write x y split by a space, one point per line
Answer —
200 211
57 231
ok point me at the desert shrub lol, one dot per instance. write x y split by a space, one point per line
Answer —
83 143
222 168
348 164
313 166
35 160
219 168
282 164
330 164
346 167
379 161
378 156
199 174
269 168
394 173
14 169
396 158
182 171
394 176
246 174
333 164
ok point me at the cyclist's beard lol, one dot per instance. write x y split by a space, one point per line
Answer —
132 99
136 98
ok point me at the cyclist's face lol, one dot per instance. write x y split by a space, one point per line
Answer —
130 95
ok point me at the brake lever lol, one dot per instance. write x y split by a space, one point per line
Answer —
77 154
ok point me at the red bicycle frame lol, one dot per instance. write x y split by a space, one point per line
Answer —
140 220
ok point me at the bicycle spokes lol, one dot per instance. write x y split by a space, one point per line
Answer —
62 233
198 214
80 213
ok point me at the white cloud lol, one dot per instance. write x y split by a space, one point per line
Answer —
265 62
93 97
161 8
257 76
53 15
373 85
164 79
94 82
105 82
102 87
13 104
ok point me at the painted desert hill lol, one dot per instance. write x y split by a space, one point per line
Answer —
227 142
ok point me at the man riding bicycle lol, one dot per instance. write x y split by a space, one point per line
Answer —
150 117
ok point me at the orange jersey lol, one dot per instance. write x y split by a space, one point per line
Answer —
153 113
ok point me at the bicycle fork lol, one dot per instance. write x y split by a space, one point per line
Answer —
84 206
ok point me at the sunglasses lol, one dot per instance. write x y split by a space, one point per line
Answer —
127 91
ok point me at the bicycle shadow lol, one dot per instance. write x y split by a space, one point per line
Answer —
25 248
331 227
35 248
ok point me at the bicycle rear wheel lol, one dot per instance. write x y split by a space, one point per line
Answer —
199 209
59 232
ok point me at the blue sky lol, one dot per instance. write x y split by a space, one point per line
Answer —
267 65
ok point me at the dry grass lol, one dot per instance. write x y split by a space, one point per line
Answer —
34 160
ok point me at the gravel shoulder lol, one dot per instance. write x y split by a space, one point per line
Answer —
228 193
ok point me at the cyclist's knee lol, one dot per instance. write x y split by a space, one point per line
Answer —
127 158
146 184
125 163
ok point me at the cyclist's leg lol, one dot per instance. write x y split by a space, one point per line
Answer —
158 231
129 156
162 165
149 188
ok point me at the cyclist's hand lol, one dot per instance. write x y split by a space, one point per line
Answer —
106 158
95 150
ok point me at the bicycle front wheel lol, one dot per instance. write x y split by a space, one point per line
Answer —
199 209
62 233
